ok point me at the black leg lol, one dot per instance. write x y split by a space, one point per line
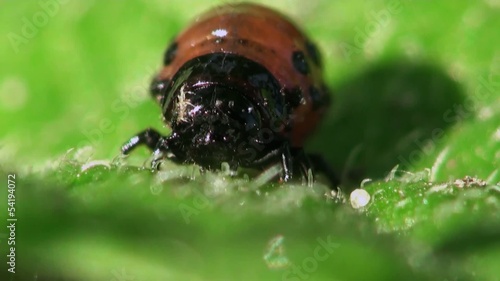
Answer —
149 137
286 163
305 166
290 158
322 166
153 140
157 157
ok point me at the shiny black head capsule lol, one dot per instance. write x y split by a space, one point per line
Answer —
215 108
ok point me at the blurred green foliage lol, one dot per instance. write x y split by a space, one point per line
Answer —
416 110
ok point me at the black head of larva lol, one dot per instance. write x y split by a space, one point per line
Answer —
216 105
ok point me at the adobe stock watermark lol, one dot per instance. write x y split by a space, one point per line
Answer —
30 26
487 87
199 202
201 199
122 275
378 21
309 265
122 106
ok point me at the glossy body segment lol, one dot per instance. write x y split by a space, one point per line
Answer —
219 107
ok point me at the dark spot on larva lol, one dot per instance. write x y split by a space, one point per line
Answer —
170 54
294 97
313 52
300 63
158 89
327 95
316 98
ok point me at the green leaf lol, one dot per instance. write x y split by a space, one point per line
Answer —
414 128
